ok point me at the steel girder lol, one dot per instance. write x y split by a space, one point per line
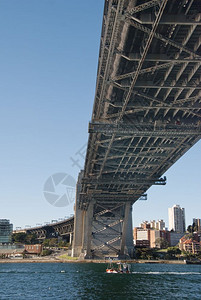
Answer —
132 57
151 85
168 20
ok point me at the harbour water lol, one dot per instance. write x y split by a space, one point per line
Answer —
89 281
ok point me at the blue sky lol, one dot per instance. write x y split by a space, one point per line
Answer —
49 58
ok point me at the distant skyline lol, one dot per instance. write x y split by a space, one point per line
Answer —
49 60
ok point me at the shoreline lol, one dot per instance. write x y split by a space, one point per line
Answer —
134 261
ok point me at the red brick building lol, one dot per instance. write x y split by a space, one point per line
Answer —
33 249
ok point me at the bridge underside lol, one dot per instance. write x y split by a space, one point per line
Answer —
146 111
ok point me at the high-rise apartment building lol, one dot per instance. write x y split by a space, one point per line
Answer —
177 219
6 230
197 224
159 225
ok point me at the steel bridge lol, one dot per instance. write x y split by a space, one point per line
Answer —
146 115
62 228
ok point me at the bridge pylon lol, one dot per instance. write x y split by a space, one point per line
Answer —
102 229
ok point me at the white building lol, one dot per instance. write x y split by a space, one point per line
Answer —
142 234
160 225
153 224
177 219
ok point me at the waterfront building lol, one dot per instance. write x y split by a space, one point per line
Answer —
154 238
148 237
141 237
141 233
190 245
158 236
176 216
11 250
6 230
34 249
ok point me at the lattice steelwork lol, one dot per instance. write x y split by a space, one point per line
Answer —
147 107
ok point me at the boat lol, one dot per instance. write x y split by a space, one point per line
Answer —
121 268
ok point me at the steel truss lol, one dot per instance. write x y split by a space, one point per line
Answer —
107 229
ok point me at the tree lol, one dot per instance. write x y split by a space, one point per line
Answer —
161 243
145 253
53 242
46 252
173 251
24 238
190 229
194 227
46 242
19 237
31 239
63 244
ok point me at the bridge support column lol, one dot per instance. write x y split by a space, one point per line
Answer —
127 246
87 231
71 238
78 222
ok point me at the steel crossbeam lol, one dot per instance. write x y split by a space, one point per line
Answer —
189 110
123 181
166 20
151 85
144 6
158 58
171 130
117 197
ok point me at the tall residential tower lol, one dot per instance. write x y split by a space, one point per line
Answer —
177 219
197 224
